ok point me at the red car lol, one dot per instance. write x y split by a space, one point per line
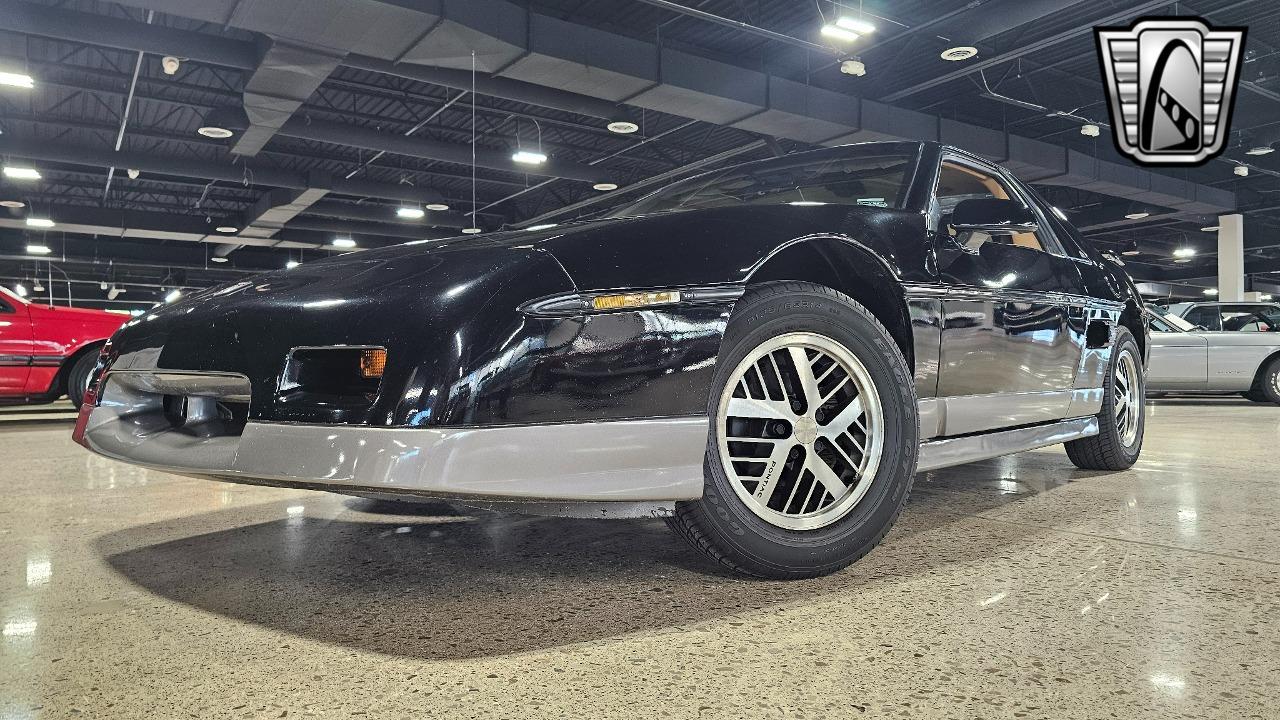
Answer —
47 352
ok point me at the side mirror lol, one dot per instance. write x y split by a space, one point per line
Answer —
991 215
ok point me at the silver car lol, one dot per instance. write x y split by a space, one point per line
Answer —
1187 358
1240 316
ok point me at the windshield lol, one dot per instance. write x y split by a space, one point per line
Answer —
875 179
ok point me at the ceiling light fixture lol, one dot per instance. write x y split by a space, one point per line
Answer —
956 54
1131 248
1090 130
1211 291
18 80
1138 215
114 292
835 32
1241 170
1184 252
605 186
344 242
1211 228
437 207
15 204
21 289
227 229
529 157
544 226
37 222
622 127
291 264
218 259
1264 297
410 213
857 25
223 122
38 250
38 286
133 173
1260 150
173 295
21 173
471 231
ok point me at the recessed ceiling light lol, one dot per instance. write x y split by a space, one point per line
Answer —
16 80
1211 228
605 187
410 213
12 204
38 250
471 231
21 173
1184 252
856 25
623 127
215 132
1260 150
437 207
227 229
1211 291
529 157
1138 215
344 242
836 32
964 52
218 259
36 222
291 264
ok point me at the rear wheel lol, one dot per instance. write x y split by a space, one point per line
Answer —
1123 419
78 378
1267 388
814 436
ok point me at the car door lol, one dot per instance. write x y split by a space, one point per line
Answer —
1179 360
1009 354
15 346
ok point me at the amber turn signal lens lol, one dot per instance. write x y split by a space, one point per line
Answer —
633 300
372 363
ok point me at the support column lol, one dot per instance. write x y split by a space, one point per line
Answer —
1231 258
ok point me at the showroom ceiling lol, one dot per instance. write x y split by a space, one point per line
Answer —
351 116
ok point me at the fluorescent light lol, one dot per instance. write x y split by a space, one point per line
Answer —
22 289
173 295
1184 252
471 231
21 173
1260 150
218 259
1211 228
547 226
36 222
38 250
605 187
227 229
17 80
855 25
438 207
410 213
291 264
805 203
529 157
838 33
1137 215
344 242
1211 291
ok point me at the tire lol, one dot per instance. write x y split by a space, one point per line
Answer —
1267 388
78 378
733 523
1113 448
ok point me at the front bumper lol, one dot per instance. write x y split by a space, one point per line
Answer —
656 459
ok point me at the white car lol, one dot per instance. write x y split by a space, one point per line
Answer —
1187 358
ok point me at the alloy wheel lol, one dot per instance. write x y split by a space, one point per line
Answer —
1128 398
800 430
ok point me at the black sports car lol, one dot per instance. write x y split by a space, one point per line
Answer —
764 355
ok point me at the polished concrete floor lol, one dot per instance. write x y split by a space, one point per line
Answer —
1019 587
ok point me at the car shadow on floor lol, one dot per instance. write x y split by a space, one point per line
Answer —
428 581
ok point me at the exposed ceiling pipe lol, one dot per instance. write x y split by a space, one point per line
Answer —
744 27
236 173
364 228
384 213
353 136
124 116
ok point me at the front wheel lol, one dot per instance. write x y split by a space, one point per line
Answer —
1123 419
1267 387
814 436
78 378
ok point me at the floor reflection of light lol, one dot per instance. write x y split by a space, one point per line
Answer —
295 510
19 628
994 599
1169 683
39 571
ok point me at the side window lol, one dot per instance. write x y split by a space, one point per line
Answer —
958 182
1157 325
1206 315
1245 318
5 307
